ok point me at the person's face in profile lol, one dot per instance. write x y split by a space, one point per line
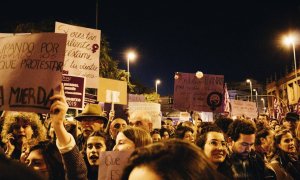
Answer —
123 143
287 143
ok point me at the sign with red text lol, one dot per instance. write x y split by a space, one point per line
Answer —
74 87
82 52
198 94
243 108
30 69
111 90
112 164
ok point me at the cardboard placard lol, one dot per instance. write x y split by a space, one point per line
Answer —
31 69
82 52
243 108
112 164
197 94
111 90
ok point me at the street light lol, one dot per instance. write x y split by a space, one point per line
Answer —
249 81
290 39
156 83
256 99
263 100
130 56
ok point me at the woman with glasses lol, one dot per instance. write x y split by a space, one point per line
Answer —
212 142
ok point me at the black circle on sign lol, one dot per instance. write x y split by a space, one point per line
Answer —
214 99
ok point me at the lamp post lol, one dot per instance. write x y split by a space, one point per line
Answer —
291 40
130 56
263 100
156 83
250 83
256 100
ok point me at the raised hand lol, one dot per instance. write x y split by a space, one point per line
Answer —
59 107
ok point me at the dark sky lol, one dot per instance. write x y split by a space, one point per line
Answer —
239 39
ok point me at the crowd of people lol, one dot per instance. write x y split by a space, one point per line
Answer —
53 148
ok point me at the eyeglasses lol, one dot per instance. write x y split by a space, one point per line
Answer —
118 125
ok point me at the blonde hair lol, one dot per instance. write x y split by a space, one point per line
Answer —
11 118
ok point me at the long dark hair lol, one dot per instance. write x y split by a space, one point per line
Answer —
52 158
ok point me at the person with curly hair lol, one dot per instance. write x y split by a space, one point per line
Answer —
20 127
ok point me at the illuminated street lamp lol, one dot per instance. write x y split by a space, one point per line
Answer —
130 56
256 99
263 100
156 83
290 39
250 83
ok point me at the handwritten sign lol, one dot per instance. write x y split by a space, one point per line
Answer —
111 90
82 52
198 94
30 69
112 164
74 87
152 108
243 108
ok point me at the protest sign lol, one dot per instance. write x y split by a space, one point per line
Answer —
82 52
193 93
243 108
30 69
110 90
136 98
74 87
112 164
152 108
184 116
90 99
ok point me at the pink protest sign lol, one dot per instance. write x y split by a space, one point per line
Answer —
193 93
30 70
112 164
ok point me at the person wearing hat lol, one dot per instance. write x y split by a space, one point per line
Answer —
91 119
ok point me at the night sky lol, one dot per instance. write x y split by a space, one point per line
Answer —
238 39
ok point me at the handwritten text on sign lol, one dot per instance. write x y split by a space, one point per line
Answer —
82 52
30 69
112 164
192 93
